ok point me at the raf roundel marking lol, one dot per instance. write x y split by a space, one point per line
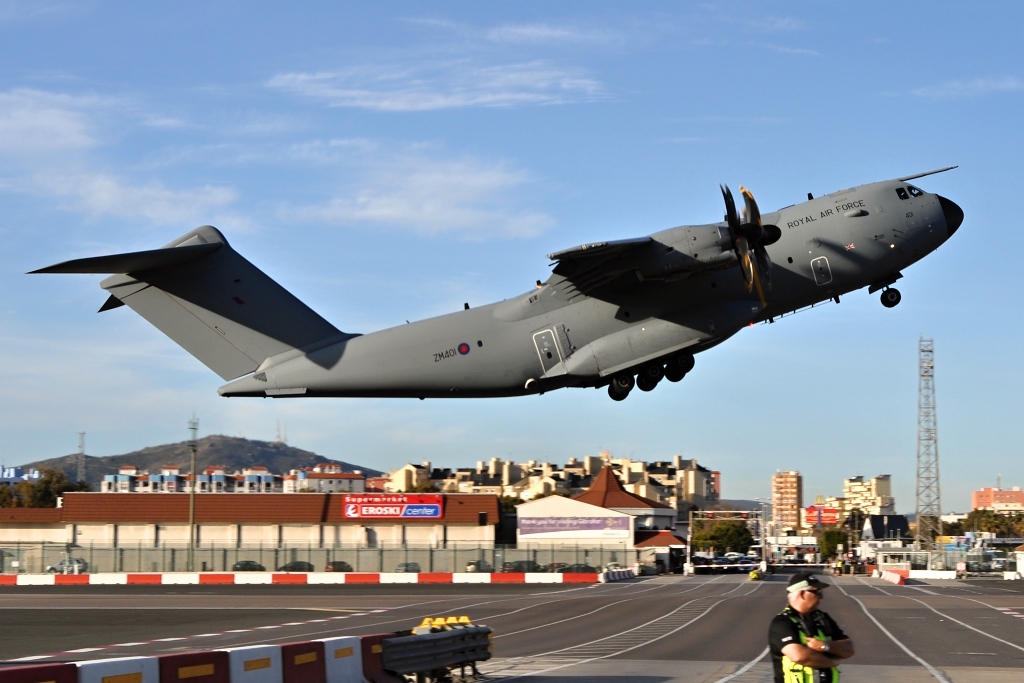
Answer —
464 348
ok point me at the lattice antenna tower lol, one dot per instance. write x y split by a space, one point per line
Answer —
80 458
929 508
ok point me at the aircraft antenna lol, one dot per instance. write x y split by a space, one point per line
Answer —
80 458
929 508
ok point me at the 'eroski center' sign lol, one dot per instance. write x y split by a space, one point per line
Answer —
393 506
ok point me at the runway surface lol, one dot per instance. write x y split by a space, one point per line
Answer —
653 630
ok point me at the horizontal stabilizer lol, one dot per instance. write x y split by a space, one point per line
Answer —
210 300
133 262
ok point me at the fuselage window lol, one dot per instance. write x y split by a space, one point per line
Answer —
914 192
902 193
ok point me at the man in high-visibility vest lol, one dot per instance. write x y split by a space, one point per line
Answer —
806 644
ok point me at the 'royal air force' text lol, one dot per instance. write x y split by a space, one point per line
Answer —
808 219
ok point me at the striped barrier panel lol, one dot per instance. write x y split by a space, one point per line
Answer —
303 663
120 670
262 578
893 578
255 664
195 667
343 659
616 575
372 648
40 673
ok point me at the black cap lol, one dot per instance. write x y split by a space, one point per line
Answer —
803 581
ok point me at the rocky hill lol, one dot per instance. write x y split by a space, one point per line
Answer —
233 453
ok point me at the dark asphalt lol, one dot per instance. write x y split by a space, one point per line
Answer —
643 629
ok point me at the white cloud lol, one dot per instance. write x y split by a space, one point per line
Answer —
463 198
33 122
519 34
973 88
330 151
787 50
449 85
541 33
100 194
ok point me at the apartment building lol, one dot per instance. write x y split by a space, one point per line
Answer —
873 496
1006 501
787 501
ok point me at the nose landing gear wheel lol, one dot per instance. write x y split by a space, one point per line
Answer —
891 297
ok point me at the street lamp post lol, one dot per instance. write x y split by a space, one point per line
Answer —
193 426
764 535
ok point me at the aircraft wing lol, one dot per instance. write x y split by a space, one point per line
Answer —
589 267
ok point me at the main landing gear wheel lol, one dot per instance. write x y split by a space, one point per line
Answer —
891 297
677 368
649 376
620 387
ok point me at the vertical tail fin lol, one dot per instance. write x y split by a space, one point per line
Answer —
209 299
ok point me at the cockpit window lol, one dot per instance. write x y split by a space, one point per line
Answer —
902 193
914 192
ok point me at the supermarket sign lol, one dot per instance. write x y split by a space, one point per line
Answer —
393 506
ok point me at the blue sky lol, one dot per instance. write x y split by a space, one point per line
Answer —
390 161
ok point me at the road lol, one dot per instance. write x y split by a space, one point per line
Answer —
653 630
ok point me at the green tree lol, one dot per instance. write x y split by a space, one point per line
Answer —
564 494
829 540
724 536
855 522
44 492
509 503
426 486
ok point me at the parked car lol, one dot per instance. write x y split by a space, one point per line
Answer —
521 566
614 566
338 566
408 568
248 566
479 566
555 567
73 565
578 569
296 566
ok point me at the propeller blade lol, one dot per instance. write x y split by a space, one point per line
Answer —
730 209
753 214
764 264
746 264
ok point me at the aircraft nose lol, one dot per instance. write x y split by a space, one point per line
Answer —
953 213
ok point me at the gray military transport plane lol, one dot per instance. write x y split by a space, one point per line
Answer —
618 314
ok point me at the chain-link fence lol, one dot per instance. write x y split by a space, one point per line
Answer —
34 558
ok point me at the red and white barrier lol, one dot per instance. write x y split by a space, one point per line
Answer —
616 575
894 577
250 578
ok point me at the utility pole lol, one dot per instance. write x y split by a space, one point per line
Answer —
193 446
929 508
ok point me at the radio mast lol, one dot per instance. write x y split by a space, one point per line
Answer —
929 508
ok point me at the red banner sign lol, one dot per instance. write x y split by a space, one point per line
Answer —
393 506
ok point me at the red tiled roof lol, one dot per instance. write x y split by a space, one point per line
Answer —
656 539
30 515
272 508
607 492
334 475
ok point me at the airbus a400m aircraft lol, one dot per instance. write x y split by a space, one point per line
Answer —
618 314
